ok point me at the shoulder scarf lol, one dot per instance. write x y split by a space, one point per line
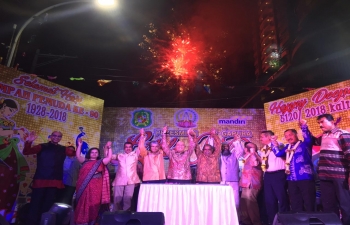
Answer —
87 179
265 152
289 155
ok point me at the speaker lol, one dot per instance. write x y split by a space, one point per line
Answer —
132 218
48 218
316 218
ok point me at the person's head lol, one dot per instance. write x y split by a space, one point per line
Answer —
208 149
93 154
326 122
8 107
154 146
72 148
225 148
265 137
56 137
291 135
250 147
127 147
180 146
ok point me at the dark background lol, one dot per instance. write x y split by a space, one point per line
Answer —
105 45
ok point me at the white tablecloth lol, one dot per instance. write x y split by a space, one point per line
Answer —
189 204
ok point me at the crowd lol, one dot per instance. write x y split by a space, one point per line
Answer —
285 174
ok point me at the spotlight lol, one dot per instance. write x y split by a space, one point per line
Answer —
59 214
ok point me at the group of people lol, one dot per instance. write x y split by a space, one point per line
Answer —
289 174
285 173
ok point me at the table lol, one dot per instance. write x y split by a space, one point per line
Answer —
195 204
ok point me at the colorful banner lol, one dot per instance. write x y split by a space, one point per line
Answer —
285 113
123 124
29 103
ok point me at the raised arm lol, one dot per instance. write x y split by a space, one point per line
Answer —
191 136
277 148
236 146
217 142
108 158
80 158
165 146
28 149
141 145
198 149
308 138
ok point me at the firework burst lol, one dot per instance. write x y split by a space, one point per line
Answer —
180 59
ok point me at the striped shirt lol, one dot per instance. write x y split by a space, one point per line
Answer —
334 162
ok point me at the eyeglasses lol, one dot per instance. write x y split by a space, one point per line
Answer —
53 135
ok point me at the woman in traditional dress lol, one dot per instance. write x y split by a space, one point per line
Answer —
92 185
13 166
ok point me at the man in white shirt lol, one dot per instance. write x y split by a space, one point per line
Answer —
276 198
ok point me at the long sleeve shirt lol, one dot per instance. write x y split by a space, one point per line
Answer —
153 163
334 162
41 183
127 169
179 162
208 166
301 166
229 166
71 169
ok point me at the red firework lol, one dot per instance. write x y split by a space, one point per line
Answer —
177 59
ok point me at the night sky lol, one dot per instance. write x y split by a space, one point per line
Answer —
102 44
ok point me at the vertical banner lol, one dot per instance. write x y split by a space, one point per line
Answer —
123 124
285 113
29 103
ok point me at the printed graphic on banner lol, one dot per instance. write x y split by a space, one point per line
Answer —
285 113
186 118
141 118
29 103
178 122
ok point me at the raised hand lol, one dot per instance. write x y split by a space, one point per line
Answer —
213 131
80 142
32 136
190 132
236 137
165 129
108 145
302 122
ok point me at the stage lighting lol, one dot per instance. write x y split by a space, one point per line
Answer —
59 214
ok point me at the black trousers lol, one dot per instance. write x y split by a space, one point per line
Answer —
302 195
275 190
67 194
335 194
41 201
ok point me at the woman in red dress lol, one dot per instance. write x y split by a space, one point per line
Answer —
92 185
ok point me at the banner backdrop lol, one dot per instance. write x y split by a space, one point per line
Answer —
29 103
285 113
123 124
